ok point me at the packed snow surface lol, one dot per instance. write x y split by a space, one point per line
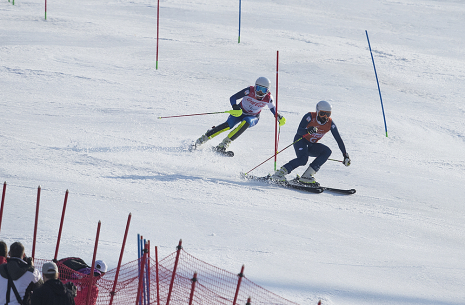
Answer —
80 99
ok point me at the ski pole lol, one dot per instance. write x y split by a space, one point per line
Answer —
232 112
274 155
377 82
336 160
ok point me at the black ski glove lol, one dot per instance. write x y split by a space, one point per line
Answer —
346 161
312 129
236 107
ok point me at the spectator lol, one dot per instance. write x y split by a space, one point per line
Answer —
81 277
101 266
3 252
77 264
53 291
18 277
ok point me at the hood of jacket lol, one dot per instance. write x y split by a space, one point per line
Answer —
16 268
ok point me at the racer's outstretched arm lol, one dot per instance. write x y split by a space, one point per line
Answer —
233 99
338 138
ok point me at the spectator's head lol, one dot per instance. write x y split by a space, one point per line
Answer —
17 250
101 266
3 249
50 271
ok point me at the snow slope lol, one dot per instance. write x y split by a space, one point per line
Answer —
79 102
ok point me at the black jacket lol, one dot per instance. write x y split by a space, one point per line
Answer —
25 277
54 292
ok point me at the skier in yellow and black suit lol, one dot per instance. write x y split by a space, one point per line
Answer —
254 98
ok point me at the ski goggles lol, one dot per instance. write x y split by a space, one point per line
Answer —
326 114
260 90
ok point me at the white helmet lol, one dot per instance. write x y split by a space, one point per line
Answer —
262 86
326 108
101 266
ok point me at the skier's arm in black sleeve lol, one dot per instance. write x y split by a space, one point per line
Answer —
233 99
338 138
302 129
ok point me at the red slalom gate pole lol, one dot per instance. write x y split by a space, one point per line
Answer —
112 293
61 226
179 247
157 279
35 224
158 26
276 114
3 203
240 275
91 277
194 280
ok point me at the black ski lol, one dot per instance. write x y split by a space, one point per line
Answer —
295 184
226 153
286 184
299 186
340 191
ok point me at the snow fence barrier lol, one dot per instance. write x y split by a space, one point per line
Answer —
209 285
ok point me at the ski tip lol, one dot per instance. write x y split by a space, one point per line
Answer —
340 191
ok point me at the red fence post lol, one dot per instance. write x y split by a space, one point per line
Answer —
61 226
240 275
158 280
3 202
112 293
91 277
194 280
141 276
179 247
35 224
148 271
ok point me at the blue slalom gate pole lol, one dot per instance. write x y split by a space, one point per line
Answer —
140 255
138 246
239 39
379 90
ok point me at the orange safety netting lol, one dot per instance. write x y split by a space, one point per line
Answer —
213 285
